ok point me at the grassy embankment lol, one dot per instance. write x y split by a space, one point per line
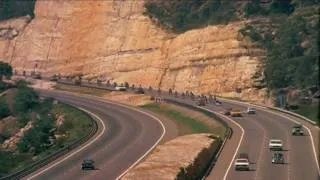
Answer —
187 124
309 111
76 124
82 90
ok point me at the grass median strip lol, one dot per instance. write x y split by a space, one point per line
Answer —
185 123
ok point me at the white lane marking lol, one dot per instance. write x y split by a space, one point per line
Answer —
288 140
266 109
134 109
146 153
264 137
310 135
78 150
241 138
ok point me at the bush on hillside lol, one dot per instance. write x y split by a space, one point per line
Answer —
183 15
4 108
16 8
25 99
5 70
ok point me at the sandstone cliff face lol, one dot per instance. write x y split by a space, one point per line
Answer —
114 40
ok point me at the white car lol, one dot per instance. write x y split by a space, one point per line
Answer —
121 88
275 144
242 164
250 110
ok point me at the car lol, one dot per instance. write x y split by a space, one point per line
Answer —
87 164
218 103
227 112
277 158
275 145
120 88
250 110
297 130
139 91
242 163
235 113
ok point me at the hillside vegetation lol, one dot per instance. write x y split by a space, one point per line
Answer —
16 8
292 44
32 128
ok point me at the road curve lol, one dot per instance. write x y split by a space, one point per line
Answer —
128 136
300 160
251 134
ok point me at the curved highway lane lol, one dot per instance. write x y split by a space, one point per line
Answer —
251 134
300 161
128 136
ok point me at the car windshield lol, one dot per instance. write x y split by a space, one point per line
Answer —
242 160
278 156
88 161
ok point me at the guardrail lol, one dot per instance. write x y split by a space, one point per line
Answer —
47 159
274 108
293 114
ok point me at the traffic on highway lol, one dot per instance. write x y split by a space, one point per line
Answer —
265 144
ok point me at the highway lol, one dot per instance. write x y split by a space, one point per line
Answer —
127 136
300 161
251 134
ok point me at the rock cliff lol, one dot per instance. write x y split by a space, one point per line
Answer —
114 40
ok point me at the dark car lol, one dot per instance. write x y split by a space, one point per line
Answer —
227 112
297 130
87 165
139 91
277 158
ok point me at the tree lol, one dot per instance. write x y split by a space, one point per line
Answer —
4 109
253 8
25 99
5 70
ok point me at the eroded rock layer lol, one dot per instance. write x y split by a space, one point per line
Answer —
114 40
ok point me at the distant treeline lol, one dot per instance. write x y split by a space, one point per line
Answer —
16 8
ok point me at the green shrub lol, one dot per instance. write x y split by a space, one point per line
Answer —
25 99
23 119
183 15
4 108
16 8
5 70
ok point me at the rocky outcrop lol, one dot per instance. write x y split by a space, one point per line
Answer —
114 40
11 143
185 157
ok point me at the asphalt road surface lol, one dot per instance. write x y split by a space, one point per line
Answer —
128 135
300 161
251 134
